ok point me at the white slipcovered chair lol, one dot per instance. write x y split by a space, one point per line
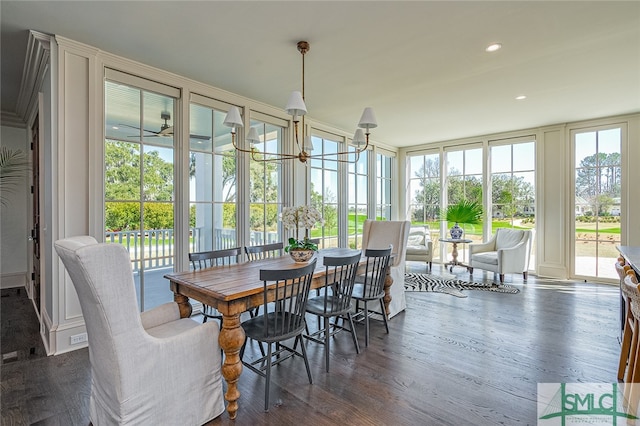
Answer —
149 368
505 253
420 246
378 234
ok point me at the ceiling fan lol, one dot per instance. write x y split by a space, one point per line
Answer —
166 129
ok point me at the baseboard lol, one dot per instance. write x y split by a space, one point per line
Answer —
57 337
62 337
18 279
557 272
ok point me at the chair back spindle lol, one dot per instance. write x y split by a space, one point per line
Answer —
340 277
208 259
264 251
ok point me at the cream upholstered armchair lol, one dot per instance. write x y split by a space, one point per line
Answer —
505 253
419 245
378 234
149 368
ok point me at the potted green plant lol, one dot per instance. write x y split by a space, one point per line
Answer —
469 212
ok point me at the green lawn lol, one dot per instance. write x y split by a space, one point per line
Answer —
612 228
353 219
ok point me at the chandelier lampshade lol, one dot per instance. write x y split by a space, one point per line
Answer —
296 107
252 136
368 119
358 138
233 118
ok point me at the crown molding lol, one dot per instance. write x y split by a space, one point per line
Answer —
11 119
35 66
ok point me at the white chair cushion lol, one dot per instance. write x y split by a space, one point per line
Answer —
487 257
417 250
173 328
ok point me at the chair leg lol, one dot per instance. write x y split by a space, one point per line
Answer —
524 275
366 324
384 315
327 341
353 332
259 346
624 349
632 362
242 348
470 269
306 360
205 317
268 378
633 374
501 278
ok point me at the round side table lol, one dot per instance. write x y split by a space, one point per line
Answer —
454 252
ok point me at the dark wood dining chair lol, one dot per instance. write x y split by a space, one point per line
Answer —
335 301
370 288
290 289
208 259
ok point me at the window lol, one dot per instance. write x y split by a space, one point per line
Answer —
139 183
425 187
424 190
597 182
464 182
383 187
357 178
324 188
513 188
265 196
212 182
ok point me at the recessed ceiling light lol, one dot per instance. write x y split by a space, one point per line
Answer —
521 97
493 47
115 128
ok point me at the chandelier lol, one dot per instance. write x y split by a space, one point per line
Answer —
297 109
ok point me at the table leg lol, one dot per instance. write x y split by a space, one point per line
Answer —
388 281
454 254
231 340
183 305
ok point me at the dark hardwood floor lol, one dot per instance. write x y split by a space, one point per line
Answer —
446 361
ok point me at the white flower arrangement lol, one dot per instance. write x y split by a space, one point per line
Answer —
306 217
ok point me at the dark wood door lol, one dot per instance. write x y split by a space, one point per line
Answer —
35 193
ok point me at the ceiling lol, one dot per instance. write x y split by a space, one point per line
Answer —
421 65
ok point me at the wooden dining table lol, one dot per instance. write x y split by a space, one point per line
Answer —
234 289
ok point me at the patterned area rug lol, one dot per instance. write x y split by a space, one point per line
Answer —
454 287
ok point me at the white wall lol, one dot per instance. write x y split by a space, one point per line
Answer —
14 219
